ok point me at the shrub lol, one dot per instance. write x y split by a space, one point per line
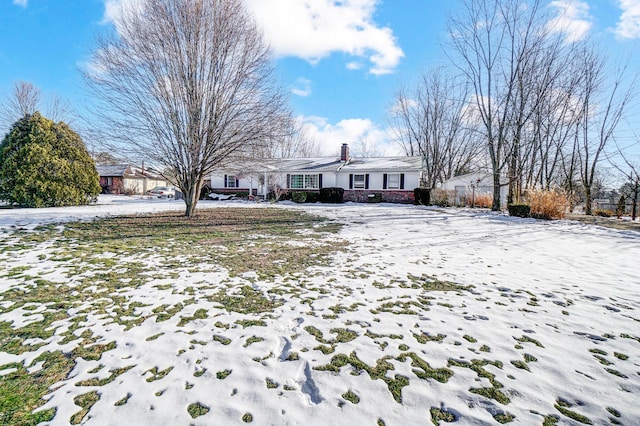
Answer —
46 164
548 204
299 197
422 196
603 213
313 197
242 195
519 210
484 201
442 198
331 195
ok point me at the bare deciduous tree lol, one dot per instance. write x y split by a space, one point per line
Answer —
26 99
601 109
430 122
186 84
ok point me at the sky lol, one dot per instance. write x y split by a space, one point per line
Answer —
341 61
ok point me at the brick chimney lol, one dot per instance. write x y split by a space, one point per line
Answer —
344 153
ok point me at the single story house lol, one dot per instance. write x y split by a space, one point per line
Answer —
389 179
128 179
470 184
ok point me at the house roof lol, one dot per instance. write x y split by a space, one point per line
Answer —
125 170
329 164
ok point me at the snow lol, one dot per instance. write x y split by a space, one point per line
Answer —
552 290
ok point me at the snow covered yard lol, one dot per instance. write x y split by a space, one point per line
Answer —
379 313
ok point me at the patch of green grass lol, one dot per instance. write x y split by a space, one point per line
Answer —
598 351
620 356
224 340
527 339
157 374
271 384
504 417
85 401
245 300
469 339
101 382
154 337
429 283
199 314
492 393
247 417
378 372
424 338
425 371
221 375
616 373
122 401
200 372
293 356
21 393
485 348
563 406
197 409
251 323
550 420
438 415
251 340
351 397
521 365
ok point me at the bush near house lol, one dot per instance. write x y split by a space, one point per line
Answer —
299 197
483 201
519 210
422 196
46 164
332 195
442 198
548 204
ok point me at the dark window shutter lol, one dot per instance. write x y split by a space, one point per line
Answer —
366 181
237 183
225 181
401 180
384 181
288 181
320 181
350 181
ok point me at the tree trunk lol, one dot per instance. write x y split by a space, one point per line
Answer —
496 192
634 208
587 195
191 196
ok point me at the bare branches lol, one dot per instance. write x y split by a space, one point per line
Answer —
430 121
187 84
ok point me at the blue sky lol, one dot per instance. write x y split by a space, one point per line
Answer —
342 68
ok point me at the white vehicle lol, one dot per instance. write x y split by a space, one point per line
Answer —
162 192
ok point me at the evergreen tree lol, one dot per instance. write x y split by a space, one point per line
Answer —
46 164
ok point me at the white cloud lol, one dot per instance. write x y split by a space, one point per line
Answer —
629 24
302 87
314 29
573 19
22 3
353 131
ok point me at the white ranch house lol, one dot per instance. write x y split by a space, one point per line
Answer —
391 178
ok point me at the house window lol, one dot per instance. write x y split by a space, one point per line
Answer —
304 181
393 181
230 181
358 181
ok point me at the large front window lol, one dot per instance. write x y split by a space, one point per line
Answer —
304 182
359 181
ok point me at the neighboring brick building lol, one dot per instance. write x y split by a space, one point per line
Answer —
127 179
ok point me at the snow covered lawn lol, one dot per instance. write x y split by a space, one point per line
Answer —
384 314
